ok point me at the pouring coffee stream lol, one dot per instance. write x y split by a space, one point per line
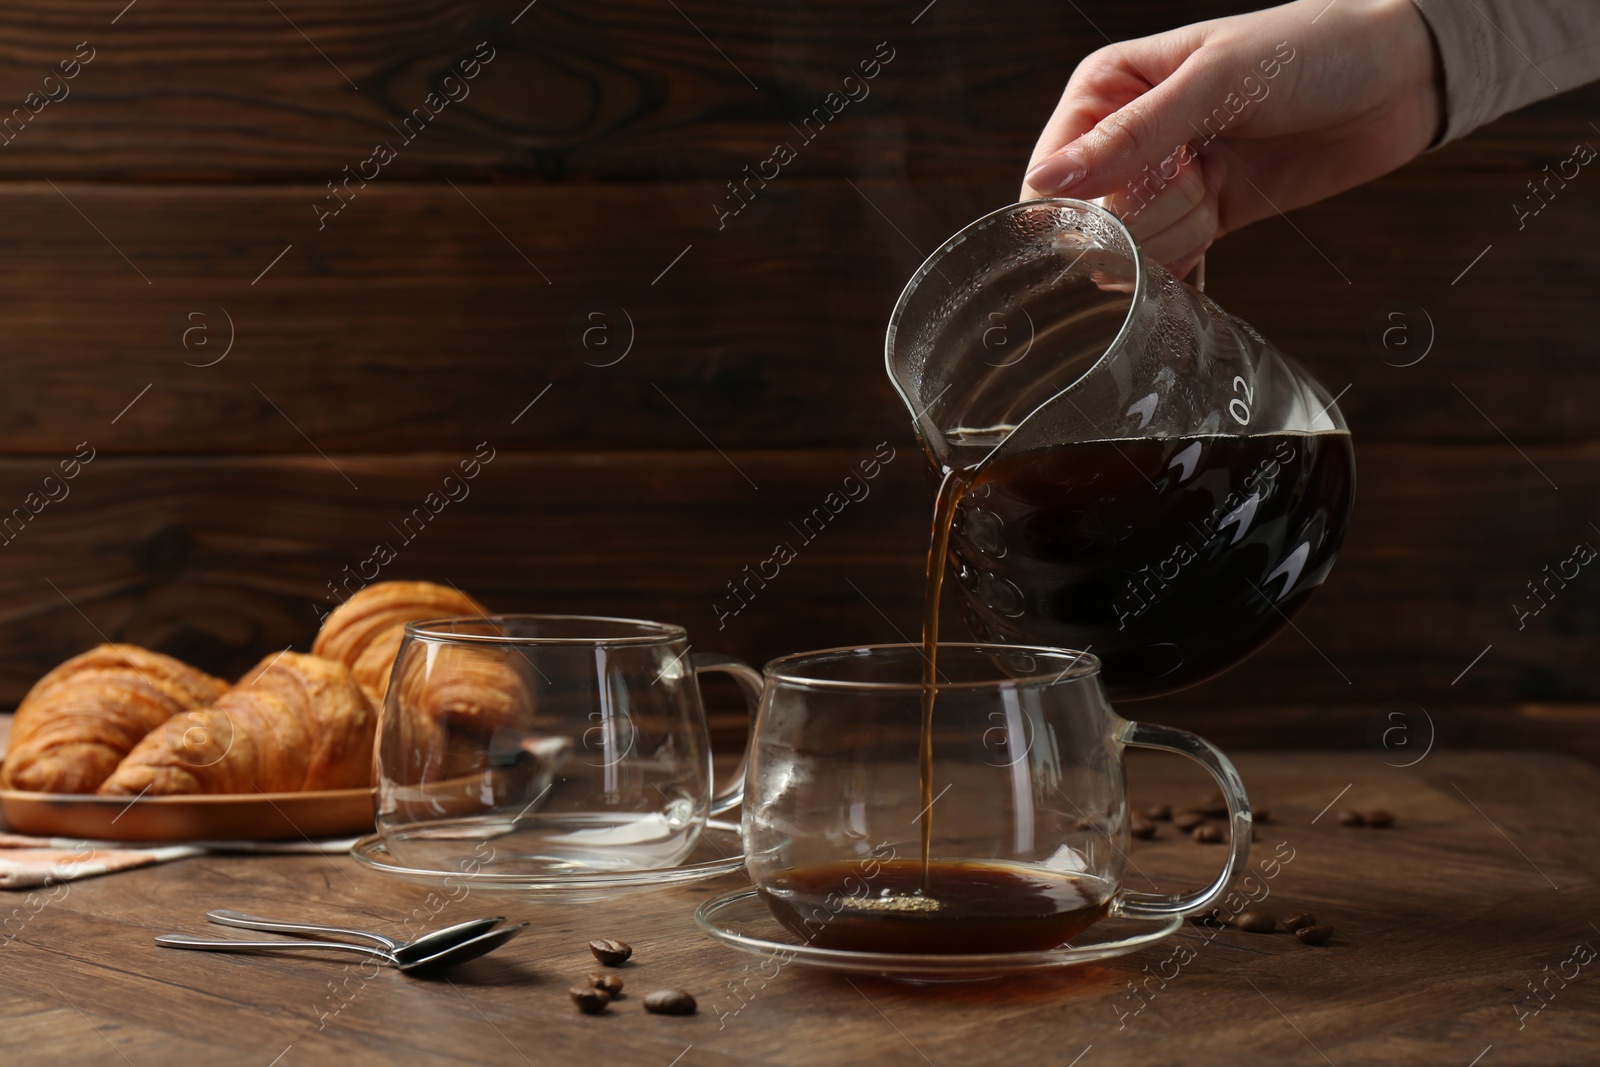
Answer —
951 486
1124 465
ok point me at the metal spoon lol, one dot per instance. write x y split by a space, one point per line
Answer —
422 947
449 956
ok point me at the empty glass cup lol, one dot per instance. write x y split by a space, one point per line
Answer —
573 743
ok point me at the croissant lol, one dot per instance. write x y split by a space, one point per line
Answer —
467 687
458 732
450 700
294 723
79 721
364 632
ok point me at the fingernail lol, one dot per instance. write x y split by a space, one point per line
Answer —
1057 173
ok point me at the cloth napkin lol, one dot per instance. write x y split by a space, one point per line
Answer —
26 862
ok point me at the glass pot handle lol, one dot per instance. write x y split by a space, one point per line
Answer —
731 795
1203 752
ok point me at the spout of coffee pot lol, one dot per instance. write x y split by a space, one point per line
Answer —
1005 319
922 402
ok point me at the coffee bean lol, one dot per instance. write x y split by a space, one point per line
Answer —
608 983
1314 935
669 1002
1378 818
1159 813
1188 819
1256 922
1296 923
1261 814
590 1001
610 952
1207 834
1141 827
1351 818
1213 804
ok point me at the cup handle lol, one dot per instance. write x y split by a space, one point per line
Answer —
1203 752
731 795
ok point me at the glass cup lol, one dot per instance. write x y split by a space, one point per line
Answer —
1028 822
575 743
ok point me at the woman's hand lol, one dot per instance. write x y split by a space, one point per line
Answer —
1193 133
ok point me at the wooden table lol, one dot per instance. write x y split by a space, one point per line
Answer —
1488 883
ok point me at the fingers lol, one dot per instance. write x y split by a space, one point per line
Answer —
1180 270
1172 212
1119 132
1141 134
1160 196
1138 133
1186 239
1079 110
1104 83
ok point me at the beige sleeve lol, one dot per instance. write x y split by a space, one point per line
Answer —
1499 55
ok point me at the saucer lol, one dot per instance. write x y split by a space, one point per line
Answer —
719 851
740 920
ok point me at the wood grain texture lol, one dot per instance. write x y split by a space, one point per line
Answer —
184 91
181 176
424 311
223 561
1440 924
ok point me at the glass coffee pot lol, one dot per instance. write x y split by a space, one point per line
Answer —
1135 472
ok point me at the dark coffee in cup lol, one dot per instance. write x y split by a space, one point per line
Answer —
960 908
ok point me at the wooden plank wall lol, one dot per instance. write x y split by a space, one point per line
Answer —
268 388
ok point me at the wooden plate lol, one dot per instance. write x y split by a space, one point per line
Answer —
231 817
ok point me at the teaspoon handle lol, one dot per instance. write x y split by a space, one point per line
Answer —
223 945
227 917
